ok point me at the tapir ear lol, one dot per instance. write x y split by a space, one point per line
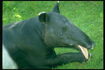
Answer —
56 8
43 17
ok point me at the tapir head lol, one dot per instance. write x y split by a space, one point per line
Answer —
60 32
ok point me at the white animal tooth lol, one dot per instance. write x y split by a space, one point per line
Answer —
84 51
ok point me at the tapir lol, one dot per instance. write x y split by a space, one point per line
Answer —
30 43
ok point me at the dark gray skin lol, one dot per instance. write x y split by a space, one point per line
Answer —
31 42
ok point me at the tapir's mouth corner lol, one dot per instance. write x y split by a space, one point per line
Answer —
84 51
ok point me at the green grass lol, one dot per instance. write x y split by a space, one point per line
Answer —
87 15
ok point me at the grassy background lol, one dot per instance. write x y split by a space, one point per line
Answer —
87 15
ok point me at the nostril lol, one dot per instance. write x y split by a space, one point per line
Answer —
93 44
90 45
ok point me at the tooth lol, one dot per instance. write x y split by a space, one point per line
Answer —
84 51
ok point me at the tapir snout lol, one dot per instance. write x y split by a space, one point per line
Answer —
59 31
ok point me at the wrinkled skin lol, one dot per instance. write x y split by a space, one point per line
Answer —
31 42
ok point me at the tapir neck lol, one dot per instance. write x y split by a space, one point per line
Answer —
27 29
35 26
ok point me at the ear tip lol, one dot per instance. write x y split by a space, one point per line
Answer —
57 1
41 13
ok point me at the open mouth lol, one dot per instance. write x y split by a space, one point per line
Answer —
84 51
